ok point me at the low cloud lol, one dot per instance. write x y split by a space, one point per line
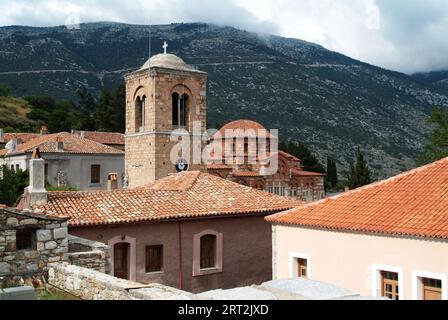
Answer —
403 35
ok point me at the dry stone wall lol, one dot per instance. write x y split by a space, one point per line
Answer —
89 254
45 242
89 284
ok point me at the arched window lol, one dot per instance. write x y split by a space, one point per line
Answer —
180 112
208 251
140 113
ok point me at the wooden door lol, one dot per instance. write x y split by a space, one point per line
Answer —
432 289
121 260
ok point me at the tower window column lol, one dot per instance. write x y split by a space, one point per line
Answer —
180 110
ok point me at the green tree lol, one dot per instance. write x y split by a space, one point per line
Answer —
5 91
301 151
332 173
105 112
86 109
59 121
119 103
12 184
359 174
437 147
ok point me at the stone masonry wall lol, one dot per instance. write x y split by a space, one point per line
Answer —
89 254
148 152
49 240
93 285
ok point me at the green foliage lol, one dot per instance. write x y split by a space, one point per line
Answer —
332 174
119 102
359 174
437 148
301 151
5 91
68 188
12 185
86 110
86 113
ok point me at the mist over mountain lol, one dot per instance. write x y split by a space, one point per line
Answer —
329 101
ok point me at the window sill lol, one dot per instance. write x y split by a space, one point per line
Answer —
95 185
206 272
155 273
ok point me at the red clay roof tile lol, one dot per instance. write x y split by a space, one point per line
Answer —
72 143
108 138
411 204
185 195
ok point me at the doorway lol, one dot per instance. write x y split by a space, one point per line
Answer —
121 260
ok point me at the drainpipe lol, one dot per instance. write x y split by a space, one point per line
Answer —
180 254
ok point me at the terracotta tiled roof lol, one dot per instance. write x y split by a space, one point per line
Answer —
213 166
301 173
243 125
246 174
185 195
72 143
411 204
114 138
25 137
288 155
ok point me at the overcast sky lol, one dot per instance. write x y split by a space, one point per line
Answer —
403 35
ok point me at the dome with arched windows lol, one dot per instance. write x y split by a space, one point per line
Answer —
168 61
244 125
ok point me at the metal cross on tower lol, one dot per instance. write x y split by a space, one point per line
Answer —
165 46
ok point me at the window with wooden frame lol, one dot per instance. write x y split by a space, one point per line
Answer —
208 252
431 289
389 285
302 268
95 173
154 258
25 239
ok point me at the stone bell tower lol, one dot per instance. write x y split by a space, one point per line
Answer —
165 94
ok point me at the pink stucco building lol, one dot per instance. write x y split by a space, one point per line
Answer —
387 239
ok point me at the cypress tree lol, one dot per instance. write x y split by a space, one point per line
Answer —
105 112
119 105
332 174
437 147
359 174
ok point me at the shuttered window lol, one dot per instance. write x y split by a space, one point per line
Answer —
154 258
208 251
95 173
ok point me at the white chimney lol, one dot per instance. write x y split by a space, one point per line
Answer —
112 183
43 130
60 144
36 192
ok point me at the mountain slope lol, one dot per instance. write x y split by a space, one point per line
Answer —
327 100
13 114
438 79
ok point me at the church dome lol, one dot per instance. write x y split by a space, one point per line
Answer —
168 61
244 125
